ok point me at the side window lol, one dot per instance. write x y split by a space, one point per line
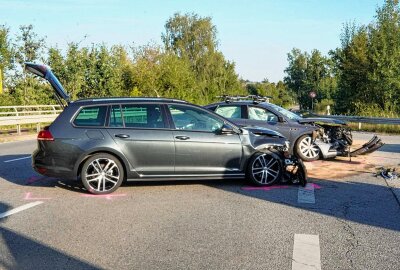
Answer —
143 116
93 116
256 113
229 111
116 116
189 118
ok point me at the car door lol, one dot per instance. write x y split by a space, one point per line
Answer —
142 133
199 146
259 116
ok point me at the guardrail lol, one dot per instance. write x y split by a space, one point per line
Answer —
363 119
35 114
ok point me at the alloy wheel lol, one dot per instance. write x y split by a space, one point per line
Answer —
265 169
102 174
308 148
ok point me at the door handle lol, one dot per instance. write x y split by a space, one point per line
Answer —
183 138
122 136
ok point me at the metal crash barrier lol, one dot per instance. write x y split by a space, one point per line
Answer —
34 114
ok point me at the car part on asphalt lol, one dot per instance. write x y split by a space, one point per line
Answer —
295 171
311 138
105 141
387 173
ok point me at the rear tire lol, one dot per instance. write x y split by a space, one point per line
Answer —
264 169
102 174
306 149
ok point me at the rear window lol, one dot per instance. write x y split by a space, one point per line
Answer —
142 116
230 111
91 116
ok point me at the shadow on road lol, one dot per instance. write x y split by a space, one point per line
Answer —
360 202
21 252
354 201
390 148
17 169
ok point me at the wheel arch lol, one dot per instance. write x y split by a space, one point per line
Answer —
85 156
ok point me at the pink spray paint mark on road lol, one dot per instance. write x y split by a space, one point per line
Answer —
315 186
33 179
263 188
107 196
29 197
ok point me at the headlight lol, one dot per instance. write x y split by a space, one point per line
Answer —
286 148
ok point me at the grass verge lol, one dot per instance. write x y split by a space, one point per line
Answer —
379 128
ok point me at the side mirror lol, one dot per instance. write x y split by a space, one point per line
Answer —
227 130
281 119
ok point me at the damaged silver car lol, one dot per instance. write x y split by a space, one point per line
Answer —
311 138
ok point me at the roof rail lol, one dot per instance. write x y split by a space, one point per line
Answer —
254 98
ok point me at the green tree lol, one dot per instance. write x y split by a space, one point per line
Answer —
190 36
384 57
193 38
25 88
5 54
353 64
310 72
369 65
176 79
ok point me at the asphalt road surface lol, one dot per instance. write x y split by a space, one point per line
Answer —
351 222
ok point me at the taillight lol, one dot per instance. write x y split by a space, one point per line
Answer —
45 135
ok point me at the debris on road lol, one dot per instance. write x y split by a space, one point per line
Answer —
387 173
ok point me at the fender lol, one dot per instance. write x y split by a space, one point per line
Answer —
128 167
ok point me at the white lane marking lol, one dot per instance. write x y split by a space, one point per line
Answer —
306 194
306 252
19 209
16 159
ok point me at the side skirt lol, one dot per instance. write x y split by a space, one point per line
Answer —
187 177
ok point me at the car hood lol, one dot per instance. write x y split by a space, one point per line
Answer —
321 120
263 131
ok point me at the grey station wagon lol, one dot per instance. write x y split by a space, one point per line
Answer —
105 141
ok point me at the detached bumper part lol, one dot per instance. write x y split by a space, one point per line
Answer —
372 145
326 149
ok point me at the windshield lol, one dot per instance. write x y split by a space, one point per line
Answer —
286 113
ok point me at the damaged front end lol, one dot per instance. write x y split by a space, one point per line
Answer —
334 138
277 147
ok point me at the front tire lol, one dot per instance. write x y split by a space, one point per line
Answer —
306 149
102 174
264 169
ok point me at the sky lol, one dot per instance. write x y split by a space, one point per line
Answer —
255 34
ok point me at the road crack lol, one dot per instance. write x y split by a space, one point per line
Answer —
352 240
